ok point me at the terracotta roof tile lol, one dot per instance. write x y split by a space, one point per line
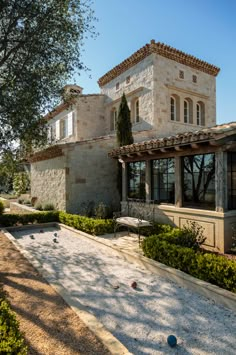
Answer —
206 134
163 50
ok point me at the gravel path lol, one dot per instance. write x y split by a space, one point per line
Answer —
143 318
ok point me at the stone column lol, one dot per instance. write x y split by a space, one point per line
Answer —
221 181
178 182
148 181
124 181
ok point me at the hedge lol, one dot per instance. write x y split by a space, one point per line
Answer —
11 340
86 224
212 268
9 220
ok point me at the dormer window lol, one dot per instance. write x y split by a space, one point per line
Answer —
117 86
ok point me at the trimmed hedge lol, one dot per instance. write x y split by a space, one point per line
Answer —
11 340
212 268
9 220
86 224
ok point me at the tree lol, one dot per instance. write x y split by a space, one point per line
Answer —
40 47
8 168
123 124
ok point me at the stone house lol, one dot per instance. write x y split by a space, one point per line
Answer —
169 93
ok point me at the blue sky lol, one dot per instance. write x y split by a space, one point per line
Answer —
203 28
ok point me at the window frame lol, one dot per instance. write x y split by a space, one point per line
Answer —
192 185
132 191
160 190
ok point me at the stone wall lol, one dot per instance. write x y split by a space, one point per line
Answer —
167 83
84 173
140 86
153 81
91 175
48 182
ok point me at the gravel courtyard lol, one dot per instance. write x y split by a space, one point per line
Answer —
99 279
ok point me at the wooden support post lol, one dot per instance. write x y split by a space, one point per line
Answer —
221 181
178 182
148 180
124 181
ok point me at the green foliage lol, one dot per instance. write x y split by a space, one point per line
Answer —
1 207
8 220
21 183
212 268
8 167
102 211
123 124
88 225
156 228
39 207
48 207
87 208
39 53
193 234
11 340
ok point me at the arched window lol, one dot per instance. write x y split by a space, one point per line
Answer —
173 108
200 113
136 111
113 119
188 110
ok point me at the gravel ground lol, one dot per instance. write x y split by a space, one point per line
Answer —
143 318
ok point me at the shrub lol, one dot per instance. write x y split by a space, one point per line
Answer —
193 233
101 211
208 267
88 225
9 220
87 208
21 183
39 207
34 200
48 207
1 207
11 341
156 229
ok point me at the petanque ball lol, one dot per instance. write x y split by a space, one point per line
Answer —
134 284
172 340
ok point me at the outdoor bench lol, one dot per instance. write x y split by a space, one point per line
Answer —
134 215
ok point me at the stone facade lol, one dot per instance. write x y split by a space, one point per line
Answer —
79 169
82 174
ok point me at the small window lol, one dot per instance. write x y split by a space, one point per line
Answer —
127 79
200 114
117 86
195 79
172 109
136 111
186 111
181 74
113 119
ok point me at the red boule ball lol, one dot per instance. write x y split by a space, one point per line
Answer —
134 284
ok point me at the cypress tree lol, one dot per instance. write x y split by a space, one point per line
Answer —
123 124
